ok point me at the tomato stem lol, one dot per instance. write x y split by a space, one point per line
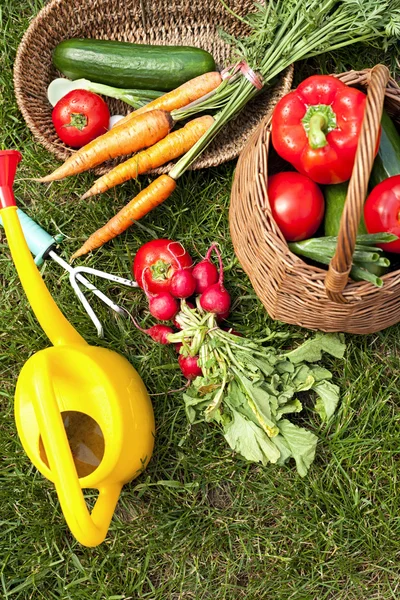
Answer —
78 120
159 270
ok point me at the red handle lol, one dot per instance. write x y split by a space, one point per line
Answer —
9 160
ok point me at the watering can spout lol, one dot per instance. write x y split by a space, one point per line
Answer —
53 322
9 160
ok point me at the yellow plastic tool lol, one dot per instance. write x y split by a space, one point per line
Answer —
83 413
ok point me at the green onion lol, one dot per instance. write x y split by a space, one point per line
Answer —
58 88
322 251
360 274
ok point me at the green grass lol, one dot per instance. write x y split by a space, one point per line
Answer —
200 523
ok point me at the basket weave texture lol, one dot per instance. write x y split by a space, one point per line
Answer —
290 289
169 22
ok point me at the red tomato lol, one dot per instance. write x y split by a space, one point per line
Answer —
297 205
382 211
157 261
80 117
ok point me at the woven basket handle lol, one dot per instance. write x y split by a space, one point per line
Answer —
340 265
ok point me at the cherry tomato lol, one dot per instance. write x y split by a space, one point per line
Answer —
382 211
157 261
297 205
79 117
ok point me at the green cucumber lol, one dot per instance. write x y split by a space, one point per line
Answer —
125 65
386 164
387 161
335 197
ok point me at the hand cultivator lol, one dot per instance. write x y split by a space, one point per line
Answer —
43 246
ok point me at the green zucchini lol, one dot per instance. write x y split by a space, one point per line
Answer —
125 65
387 161
335 197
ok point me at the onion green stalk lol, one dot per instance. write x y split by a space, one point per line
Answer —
136 98
366 256
282 32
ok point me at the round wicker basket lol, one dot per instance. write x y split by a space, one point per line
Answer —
291 290
176 22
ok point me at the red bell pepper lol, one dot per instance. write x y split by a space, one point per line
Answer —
316 128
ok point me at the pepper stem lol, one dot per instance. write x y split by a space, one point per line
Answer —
316 134
318 121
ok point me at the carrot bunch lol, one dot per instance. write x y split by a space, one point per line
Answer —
147 129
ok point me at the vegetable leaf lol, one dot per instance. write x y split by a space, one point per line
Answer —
249 440
328 399
250 389
283 448
302 444
291 407
259 401
312 349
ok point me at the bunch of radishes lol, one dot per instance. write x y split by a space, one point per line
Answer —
166 273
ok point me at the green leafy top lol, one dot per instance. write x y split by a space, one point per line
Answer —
281 32
250 389
289 28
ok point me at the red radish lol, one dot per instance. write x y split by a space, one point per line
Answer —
178 346
182 284
215 298
175 322
189 366
205 273
163 306
158 333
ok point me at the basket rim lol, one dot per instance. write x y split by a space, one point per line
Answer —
17 71
212 159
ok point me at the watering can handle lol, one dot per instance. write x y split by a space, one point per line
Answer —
89 529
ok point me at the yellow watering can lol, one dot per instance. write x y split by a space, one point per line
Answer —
83 414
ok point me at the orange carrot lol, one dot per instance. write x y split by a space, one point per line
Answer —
173 145
181 96
141 132
158 191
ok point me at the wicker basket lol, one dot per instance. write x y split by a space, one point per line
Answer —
291 290
169 22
